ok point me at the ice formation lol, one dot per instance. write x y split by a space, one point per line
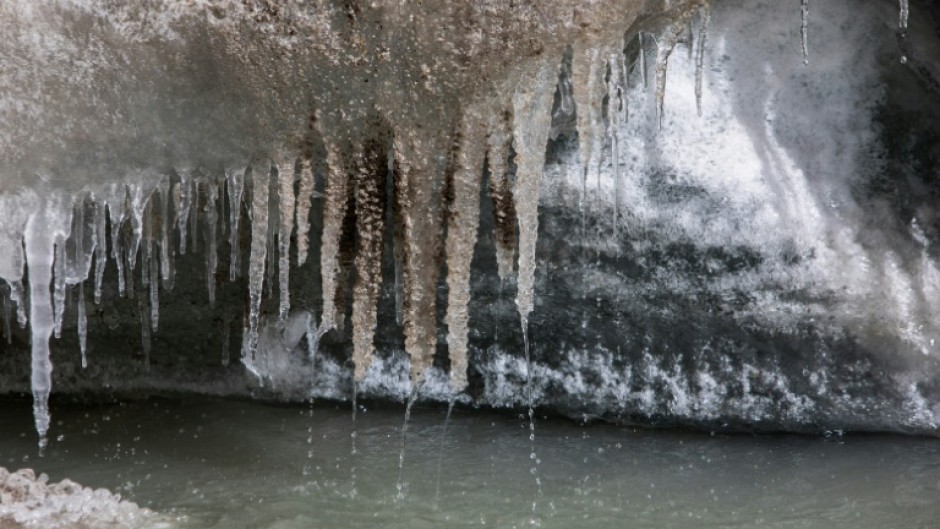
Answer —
30 501
374 170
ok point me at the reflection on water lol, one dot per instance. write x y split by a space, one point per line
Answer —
228 464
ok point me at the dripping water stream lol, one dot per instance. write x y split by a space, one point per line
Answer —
440 454
404 437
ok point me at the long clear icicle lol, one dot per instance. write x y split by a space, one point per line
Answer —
305 193
164 238
706 16
666 45
462 223
499 141
101 248
285 177
334 211
40 236
82 325
235 186
116 212
370 163
259 245
58 289
182 212
588 65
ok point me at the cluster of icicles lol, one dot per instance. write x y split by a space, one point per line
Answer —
62 240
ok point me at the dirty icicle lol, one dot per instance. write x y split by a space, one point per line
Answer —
259 245
499 141
285 177
532 121
304 198
664 49
417 151
370 165
462 222
235 184
706 15
334 211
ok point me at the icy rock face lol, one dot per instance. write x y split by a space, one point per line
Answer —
688 222
30 501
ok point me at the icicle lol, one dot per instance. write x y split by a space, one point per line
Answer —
59 286
334 211
138 200
421 167
499 140
82 325
531 125
616 94
212 226
259 245
370 165
305 194
706 15
154 243
236 183
18 295
588 66
182 212
40 235
7 330
145 247
164 238
145 342
194 207
101 248
462 222
804 29
642 58
668 43
285 176
274 225
116 212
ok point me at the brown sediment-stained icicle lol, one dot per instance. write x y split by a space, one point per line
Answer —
285 178
665 46
532 105
334 211
304 198
419 152
498 141
462 222
260 174
370 167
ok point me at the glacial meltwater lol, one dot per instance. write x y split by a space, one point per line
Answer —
205 463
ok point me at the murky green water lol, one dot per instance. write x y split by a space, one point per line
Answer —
226 464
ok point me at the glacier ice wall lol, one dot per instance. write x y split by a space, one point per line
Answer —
719 215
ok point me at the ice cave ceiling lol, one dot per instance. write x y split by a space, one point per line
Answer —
711 213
